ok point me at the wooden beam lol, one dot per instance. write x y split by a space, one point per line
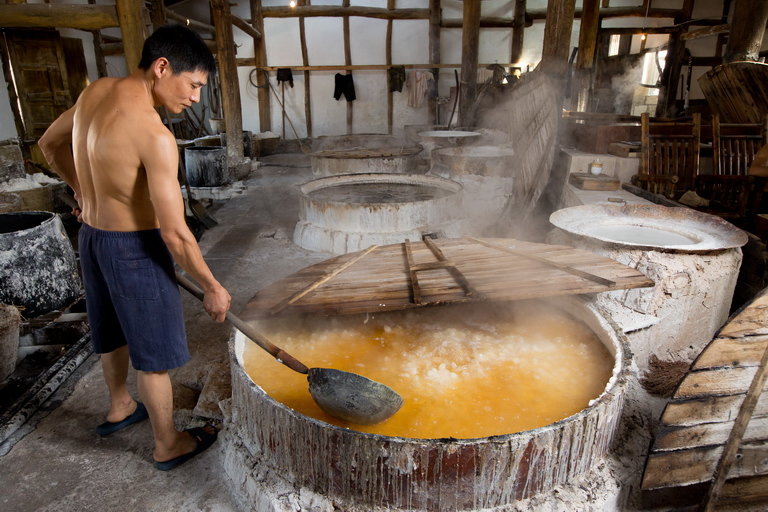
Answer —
331 11
747 29
156 13
98 40
112 49
189 22
557 36
590 25
485 22
348 62
305 61
470 43
246 27
518 31
435 15
670 78
250 62
131 15
704 32
388 57
12 95
613 12
81 16
260 61
640 30
230 88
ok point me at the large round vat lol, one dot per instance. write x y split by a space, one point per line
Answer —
411 131
489 175
357 471
693 259
476 160
340 214
350 154
38 268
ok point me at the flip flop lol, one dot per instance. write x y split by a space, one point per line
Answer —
204 441
109 427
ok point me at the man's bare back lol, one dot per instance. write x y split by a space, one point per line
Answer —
114 122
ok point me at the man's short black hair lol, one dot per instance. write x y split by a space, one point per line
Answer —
183 48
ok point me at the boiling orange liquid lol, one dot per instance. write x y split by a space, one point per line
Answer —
464 372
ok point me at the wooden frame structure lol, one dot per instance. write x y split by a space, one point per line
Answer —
128 15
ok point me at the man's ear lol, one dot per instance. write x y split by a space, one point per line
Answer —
161 67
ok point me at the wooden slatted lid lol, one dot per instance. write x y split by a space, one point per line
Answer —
431 272
711 445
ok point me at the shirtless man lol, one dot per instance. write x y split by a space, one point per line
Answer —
121 161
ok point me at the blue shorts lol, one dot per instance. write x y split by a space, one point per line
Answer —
132 297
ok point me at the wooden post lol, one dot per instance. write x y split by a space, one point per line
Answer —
469 54
260 60
585 59
98 53
156 13
670 78
130 13
557 36
518 32
305 60
390 106
747 29
230 87
435 18
348 62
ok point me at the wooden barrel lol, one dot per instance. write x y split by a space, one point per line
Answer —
361 471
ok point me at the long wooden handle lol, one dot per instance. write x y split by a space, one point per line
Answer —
255 336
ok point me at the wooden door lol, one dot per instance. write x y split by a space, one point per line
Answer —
40 79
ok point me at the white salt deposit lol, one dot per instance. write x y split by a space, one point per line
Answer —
29 182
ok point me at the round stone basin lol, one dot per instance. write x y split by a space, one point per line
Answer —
447 135
351 154
360 470
650 226
476 160
340 214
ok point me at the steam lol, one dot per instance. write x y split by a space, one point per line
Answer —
624 86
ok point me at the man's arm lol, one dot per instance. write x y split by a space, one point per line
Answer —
161 159
56 147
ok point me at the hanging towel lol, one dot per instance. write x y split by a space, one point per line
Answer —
419 83
345 86
285 75
396 76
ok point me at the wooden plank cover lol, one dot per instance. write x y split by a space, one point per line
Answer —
453 270
714 429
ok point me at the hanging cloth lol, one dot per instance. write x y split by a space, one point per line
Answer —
345 86
419 83
285 75
396 78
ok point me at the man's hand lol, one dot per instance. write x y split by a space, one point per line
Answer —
76 210
216 303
